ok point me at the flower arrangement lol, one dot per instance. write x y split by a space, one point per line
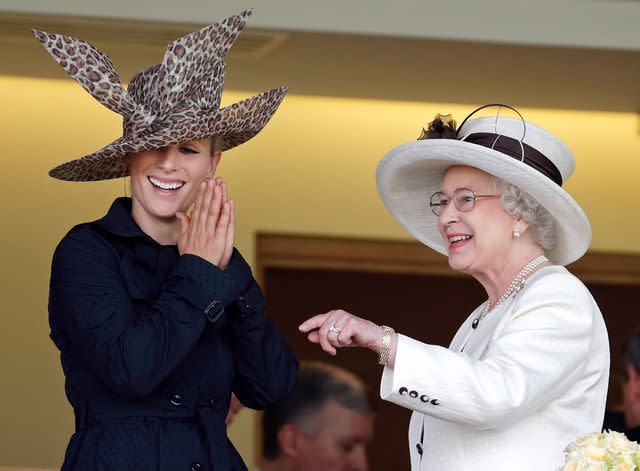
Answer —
602 451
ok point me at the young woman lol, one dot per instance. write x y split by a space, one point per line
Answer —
157 317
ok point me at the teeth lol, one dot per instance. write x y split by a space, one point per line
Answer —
166 186
458 238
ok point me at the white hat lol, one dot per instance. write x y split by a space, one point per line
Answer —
513 150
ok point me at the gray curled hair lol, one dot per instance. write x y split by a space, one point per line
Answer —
521 205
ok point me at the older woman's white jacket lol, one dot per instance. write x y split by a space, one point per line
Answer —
513 393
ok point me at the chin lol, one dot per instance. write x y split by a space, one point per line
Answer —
166 210
458 263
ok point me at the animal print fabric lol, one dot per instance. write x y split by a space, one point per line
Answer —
175 101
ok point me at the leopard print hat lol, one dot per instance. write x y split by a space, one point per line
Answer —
168 103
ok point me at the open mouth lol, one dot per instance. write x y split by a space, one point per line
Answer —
166 185
458 240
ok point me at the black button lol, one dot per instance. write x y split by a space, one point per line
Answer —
413 394
424 398
403 390
435 402
176 400
214 403
195 466
244 303
419 448
214 311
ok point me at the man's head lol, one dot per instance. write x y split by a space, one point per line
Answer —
631 386
324 424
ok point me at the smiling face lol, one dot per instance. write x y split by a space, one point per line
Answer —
479 240
166 180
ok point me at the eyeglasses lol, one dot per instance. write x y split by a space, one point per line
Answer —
463 199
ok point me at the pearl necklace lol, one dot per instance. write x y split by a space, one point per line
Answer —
514 288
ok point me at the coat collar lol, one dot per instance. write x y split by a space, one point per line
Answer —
118 220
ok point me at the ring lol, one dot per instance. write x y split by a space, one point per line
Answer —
333 328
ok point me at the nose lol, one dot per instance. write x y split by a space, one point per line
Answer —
449 214
168 158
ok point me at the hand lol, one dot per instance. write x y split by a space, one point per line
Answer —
231 228
354 331
209 231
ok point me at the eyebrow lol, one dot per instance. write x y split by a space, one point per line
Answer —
461 188
195 144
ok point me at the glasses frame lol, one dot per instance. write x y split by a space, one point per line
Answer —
438 208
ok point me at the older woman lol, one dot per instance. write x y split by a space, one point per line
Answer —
157 317
527 371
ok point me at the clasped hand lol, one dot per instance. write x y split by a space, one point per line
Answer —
209 230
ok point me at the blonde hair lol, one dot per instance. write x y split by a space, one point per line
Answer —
216 144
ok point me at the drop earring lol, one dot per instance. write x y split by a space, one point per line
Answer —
516 232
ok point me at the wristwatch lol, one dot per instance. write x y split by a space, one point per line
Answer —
385 348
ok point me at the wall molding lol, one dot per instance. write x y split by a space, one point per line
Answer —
252 43
409 257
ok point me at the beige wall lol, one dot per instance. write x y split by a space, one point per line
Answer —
311 171
598 24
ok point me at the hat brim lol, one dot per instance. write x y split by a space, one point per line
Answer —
235 124
410 173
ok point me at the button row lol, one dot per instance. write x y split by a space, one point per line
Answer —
414 394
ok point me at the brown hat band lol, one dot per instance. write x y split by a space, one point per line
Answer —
519 151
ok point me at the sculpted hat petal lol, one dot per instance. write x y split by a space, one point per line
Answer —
175 101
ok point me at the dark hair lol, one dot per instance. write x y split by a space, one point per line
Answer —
317 384
632 350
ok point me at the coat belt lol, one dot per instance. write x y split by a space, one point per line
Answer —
211 424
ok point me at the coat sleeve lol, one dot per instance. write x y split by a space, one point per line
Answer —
131 354
266 369
540 353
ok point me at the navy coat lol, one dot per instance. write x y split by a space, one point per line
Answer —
152 343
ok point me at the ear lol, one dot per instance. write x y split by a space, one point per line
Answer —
215 161
289 440
520 226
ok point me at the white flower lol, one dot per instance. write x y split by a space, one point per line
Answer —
602 452
618 442
575 463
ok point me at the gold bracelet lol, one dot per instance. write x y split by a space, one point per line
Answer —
385 348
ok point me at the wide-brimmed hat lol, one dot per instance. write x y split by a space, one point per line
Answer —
516 151
168 103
